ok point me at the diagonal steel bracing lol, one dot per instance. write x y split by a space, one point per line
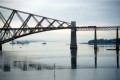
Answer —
8 33
7 25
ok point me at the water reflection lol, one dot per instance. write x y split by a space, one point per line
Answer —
117 57
0 53
17 60
73 58
10 62
73 74
95 52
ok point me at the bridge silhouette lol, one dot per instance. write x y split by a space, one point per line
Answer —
9 32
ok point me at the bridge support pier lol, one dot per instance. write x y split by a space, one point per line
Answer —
95 46
73 46
117 48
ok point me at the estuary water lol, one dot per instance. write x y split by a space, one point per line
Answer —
38 61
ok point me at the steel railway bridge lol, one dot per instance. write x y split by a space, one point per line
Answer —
42 23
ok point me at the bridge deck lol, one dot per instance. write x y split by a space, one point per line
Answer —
85 28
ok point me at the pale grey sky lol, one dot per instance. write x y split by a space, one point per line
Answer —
84 12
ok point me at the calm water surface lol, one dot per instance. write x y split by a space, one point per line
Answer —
36 55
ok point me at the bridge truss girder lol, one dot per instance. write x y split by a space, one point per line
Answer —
8 33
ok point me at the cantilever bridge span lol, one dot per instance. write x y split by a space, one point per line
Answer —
9 32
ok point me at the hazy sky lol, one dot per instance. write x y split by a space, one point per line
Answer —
84 12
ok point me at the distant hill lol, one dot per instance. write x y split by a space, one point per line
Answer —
104 41
28 41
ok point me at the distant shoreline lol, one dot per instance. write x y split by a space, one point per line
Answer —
103 42
23 42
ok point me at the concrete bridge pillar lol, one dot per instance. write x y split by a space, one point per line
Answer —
95 38
73 46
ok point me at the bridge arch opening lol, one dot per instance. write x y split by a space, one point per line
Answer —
61 35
